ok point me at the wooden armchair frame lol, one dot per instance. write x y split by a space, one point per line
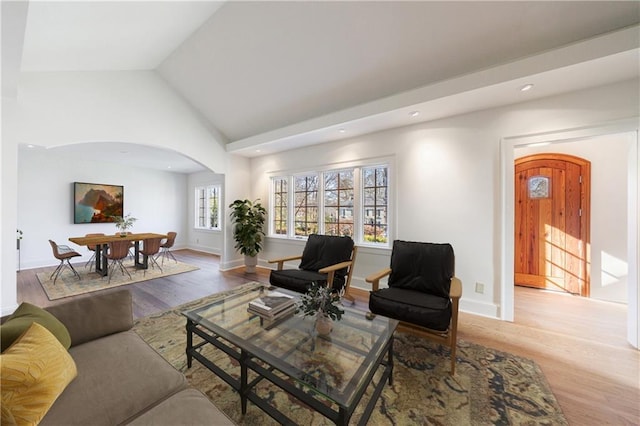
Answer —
329 270
447 338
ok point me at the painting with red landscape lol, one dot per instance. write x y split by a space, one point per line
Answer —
97 203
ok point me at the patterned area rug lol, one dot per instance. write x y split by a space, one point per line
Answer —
490 387
68 284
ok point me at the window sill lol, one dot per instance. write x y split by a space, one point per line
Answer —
207 230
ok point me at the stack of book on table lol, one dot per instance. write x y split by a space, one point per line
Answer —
272 305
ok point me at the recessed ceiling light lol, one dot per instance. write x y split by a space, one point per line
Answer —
342 130
526 87
168 167
258 150
414 113
31 146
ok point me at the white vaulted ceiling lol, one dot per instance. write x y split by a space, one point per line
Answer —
108 35
278 75
272 64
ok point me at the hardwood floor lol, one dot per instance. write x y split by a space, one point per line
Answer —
579 343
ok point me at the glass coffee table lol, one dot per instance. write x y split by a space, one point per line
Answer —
329 374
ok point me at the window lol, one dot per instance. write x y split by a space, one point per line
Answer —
306 204
338 203
280 203
347 202
208 207
375 204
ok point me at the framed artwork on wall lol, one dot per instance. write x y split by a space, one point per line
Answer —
97 203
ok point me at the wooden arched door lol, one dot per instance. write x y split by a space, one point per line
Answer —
552 202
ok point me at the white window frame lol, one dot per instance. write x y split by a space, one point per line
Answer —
272 206
292 204
207 207
358 202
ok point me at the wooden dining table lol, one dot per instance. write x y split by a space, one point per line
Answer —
102 244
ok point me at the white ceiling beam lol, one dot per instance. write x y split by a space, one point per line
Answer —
316 130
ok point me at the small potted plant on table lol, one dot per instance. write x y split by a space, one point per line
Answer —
322 302
124 223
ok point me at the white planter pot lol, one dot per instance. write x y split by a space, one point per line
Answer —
324 325
250 263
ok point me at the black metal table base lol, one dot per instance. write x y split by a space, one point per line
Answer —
245 388
102 263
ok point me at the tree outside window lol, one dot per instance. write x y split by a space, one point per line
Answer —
306 205
375 204
338 203
327 202
280 211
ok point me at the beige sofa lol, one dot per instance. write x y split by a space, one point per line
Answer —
121 379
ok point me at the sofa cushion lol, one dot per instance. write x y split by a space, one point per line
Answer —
187 407
35 370
300 281
94 316
412 306
119 376
24 316
426 267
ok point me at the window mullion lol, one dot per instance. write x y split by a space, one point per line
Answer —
357 206
321 212
291 209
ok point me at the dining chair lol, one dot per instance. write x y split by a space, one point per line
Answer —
132 245
118 250
164 247
150 248
92 259
63 254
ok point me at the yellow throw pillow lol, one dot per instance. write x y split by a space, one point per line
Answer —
34 371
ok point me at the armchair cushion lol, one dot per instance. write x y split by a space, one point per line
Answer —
416 307
319 252
300 281
326 250
424 267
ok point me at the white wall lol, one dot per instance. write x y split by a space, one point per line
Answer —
157 199
447 179
237 186
609 175
59 108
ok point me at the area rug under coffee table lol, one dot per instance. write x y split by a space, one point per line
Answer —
68 284
490 387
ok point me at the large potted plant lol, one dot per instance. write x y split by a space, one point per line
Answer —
248 220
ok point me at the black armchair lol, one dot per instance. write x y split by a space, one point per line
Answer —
422 292
326 259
